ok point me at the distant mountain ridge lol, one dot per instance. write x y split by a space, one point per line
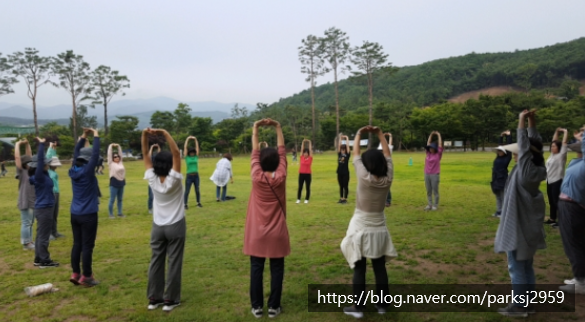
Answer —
16 114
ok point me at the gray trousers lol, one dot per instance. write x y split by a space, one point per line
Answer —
44 218
432 185
166 240
54 231
572 224
499 200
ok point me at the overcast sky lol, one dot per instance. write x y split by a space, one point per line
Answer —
247 51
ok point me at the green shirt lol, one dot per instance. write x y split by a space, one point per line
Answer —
192 164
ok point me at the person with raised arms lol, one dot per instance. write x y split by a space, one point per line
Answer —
84 208
192 178
266 232
367 235
305 170
169 228
555 171
520 232
343 168
38 171
500 171
117 179
433 170
26 195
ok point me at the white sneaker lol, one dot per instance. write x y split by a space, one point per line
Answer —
427 208
571 281
169 306
306 201
576 288
257 312
298 201
434 208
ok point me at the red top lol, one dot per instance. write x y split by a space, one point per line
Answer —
266 233
306 164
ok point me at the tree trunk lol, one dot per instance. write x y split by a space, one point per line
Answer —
370 85
105 117
74 120
313 103
34 101
336 102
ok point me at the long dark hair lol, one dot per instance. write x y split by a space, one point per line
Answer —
537 156
163 163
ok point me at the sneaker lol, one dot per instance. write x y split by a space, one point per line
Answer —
388 205
186 207
427 208
555 225
51 237
150 211
48 264
75 278
571 281
340 201
497 214
434 208
199 205
170 305
351 310
29 246
88 281
153 304
257 312
576 288
217 200
272 313
36 263
306 201
298 201
513 311
381 309
549 221
59 235
121 216
112 217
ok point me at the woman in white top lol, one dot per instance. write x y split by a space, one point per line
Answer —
117 178
167 239
222 175
367 235
555 171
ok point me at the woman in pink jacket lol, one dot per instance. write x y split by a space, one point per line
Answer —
266 234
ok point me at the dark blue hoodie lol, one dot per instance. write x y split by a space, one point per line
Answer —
42 182
500 168
83 181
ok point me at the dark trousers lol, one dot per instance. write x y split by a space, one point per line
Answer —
44 218
150 198
167 243
553 190
192 179
359 278
84 229
54 231
572 226
389 197
343 180
276 275
304 177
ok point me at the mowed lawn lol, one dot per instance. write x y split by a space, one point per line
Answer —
451 245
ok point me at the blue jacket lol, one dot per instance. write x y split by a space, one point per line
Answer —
84 182
42 182
574 180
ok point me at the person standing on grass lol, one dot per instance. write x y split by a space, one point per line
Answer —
152 155
367 235
294 155
500 171
44 204
117 179
520 232
26 195
192 162
266 233
572 217
54 162
222 175
4 171
433 170
555 171
342 169
84 208
305 170
169 228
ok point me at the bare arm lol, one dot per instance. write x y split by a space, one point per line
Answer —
255 144
279 135
522 119
339 143
439 139
430 138
310 148
186 146
28 149
174 150
531 119
303 146
565 136
356 143
556 135
196 146
110 153
382 138
17 161
145 152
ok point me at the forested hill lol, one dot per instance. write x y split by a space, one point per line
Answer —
442 79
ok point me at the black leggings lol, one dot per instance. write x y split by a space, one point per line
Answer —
343 180
553 190
359 278
304 177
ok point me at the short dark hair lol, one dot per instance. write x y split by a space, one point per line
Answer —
163 163
80 162
228 156
343 146
306 151
191 150
537 157
375 162
31 171
269 159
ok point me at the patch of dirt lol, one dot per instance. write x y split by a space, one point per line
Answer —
492 91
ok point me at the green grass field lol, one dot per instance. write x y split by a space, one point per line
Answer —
452 245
